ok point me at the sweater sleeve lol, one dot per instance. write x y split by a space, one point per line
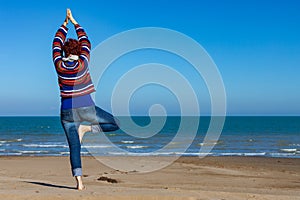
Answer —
57 45
85 43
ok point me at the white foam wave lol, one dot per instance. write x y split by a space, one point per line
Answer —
288 150
127 142
255 154
45 145
96 146
296 145
159 154
263 154
281 154
14 140
241 154
10 154
193 154
67 153
208 144
229 154
32 152
136 147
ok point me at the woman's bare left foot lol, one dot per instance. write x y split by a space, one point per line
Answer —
82 129
80 185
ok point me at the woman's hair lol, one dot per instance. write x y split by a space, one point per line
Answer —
72 46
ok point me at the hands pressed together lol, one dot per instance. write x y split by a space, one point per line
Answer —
69 17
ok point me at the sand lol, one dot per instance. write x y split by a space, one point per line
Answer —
188 178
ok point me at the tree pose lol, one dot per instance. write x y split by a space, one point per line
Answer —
71 59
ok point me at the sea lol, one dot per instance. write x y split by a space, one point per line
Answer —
240 136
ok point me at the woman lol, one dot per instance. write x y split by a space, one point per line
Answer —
71 63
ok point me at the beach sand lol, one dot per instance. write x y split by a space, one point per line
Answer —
188 178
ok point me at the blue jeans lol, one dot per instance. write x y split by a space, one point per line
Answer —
100 121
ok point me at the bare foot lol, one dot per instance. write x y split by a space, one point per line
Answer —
82 129
80 185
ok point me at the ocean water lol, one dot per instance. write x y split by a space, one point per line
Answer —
241 136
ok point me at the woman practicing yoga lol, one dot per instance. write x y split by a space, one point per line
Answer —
71 59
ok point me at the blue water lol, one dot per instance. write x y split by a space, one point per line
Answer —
241 136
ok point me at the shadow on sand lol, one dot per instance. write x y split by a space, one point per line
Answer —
51 185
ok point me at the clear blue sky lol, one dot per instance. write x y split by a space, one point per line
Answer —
255 44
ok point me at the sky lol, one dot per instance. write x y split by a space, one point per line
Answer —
255 45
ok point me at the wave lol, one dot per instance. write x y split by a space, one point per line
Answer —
282 155
127 142
32 152
208 144
296 145
288 150
63 146
187 154
263 154
241 154
124 153
158 154
14 140
96 146
136 147
10 154
45 145
68 153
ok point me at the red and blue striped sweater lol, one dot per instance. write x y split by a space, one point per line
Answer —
73 77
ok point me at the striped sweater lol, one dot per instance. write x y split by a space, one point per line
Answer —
73 77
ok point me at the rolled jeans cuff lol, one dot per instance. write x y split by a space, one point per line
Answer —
77 172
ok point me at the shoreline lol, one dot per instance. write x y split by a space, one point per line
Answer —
155 156
40 177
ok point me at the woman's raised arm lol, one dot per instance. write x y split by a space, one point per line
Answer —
58 42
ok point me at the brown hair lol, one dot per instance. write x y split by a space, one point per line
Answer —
72 46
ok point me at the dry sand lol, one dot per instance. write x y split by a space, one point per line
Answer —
188 178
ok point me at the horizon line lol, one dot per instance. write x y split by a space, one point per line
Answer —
279 115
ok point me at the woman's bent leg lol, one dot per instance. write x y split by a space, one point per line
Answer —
106 121
101 120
